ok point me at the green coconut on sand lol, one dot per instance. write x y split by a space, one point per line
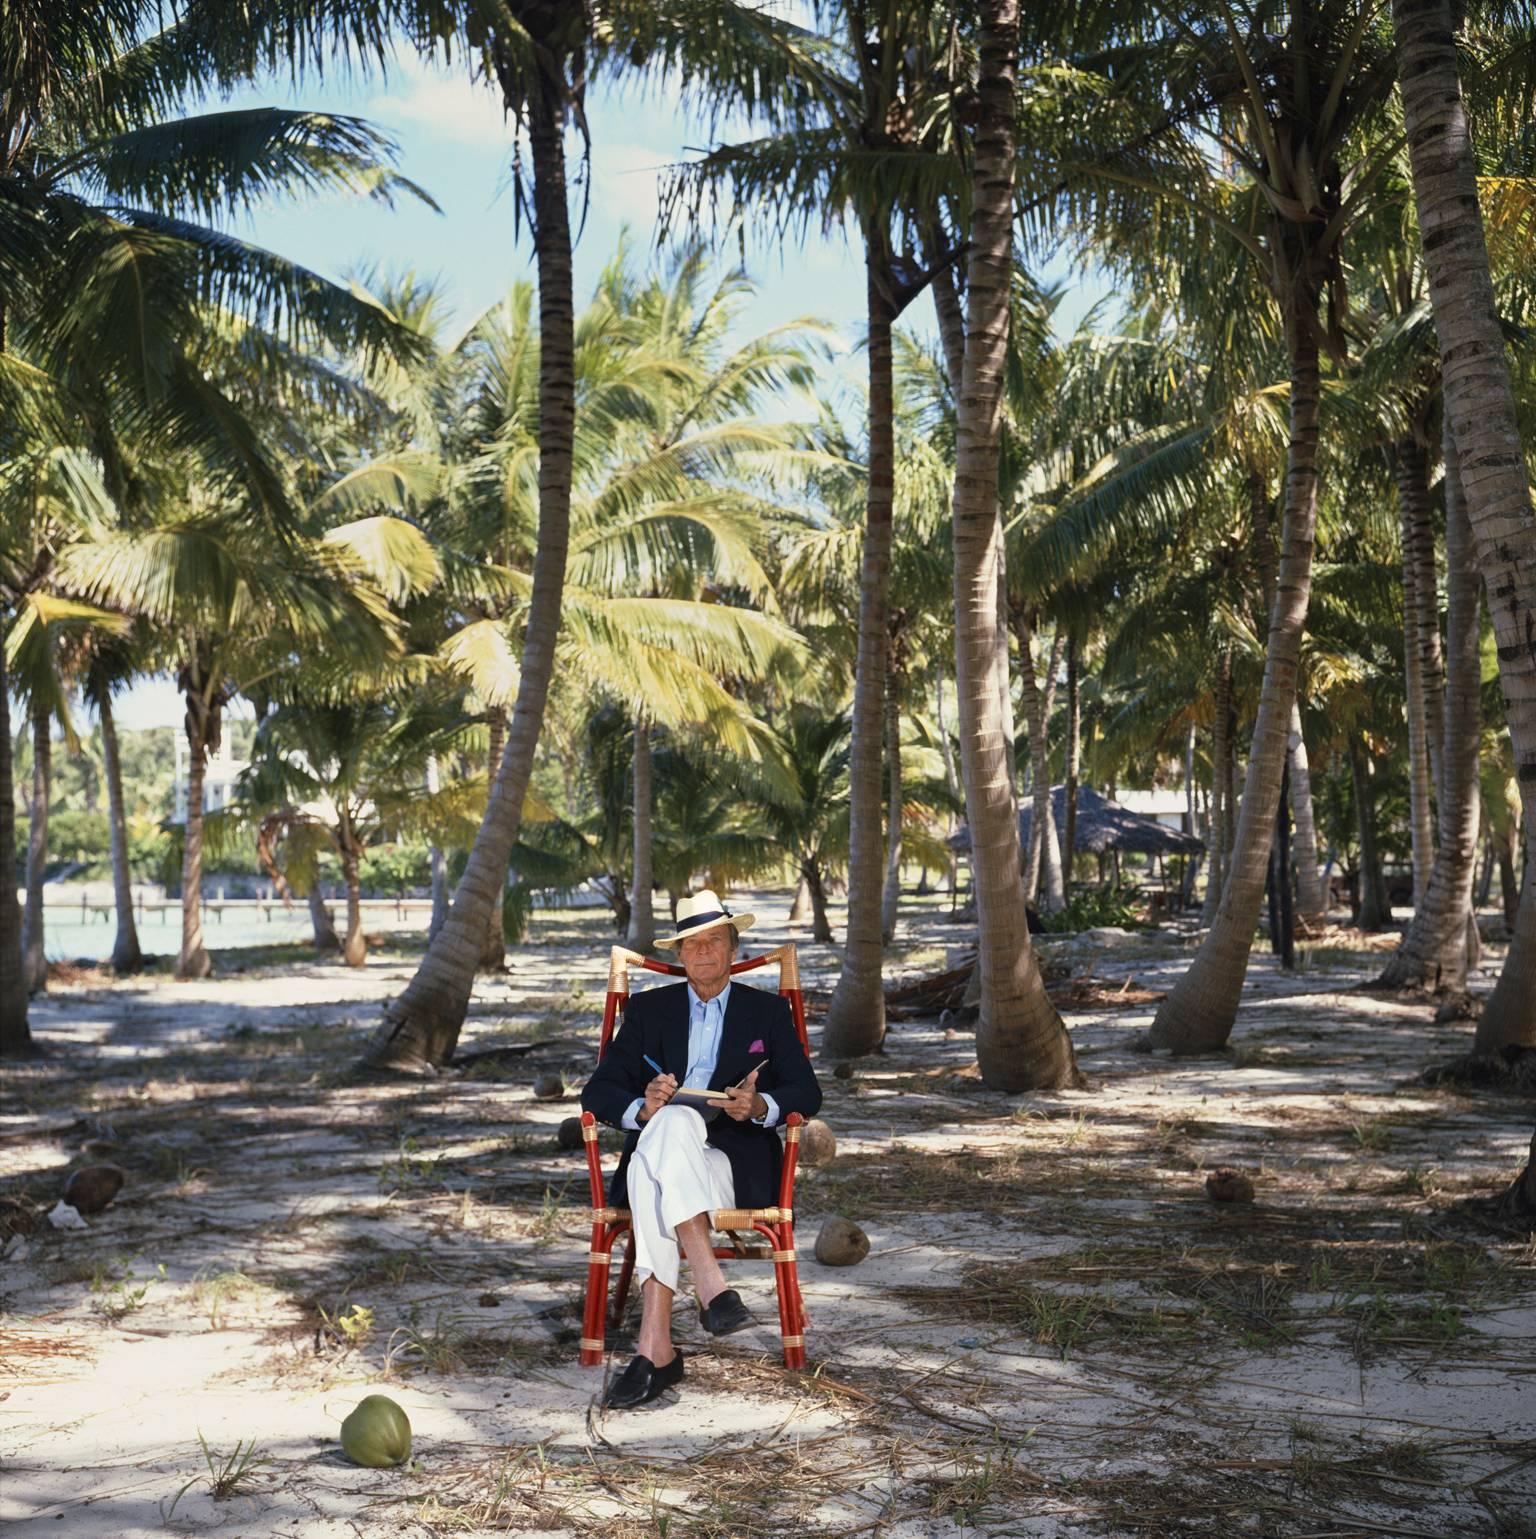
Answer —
377 1433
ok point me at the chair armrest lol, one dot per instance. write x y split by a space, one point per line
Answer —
594 1159
792 1125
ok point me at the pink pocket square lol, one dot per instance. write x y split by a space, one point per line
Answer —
756 1047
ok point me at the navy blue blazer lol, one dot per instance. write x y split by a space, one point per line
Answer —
656 1023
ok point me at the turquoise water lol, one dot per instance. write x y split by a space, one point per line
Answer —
67 938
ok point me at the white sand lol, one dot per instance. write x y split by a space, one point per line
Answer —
1244 1378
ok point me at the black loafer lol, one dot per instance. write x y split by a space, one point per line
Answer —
641 1382
725 1314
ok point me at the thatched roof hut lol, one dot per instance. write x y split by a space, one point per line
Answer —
1102 825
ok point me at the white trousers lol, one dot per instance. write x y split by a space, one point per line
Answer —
674 1174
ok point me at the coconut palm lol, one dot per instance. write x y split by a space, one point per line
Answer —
231 618
1434 951
807 817
102 678
673 478
874 142
50 492
44 659
683 508
1480 408
537 55
822 575
1296 101
110 279
15 1033
352 768
1020 1041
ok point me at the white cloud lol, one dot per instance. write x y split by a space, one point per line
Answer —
626 183
444 102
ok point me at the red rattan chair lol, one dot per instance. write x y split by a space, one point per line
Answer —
777 1224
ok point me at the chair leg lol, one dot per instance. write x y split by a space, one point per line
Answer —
787 1285
626 1277
599 1259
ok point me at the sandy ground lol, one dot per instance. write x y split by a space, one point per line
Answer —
1056 1332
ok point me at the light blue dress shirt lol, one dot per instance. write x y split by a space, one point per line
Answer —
706 1022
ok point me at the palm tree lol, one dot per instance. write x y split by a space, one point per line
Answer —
822 575
680 511
1294 101
537 54
127 957
1480 407
15 1033
1020 1040
806 819
34 959
874 142
110 280
1434 949
232 619
351 767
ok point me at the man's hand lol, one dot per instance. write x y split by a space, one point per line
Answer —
657 1094
745 1103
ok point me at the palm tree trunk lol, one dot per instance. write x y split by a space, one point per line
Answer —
1519 1200
948 313
821 926
126 956
439 865
421 1028
34 956
800 908
354 949
642 917
951 322
1426 598
890 899
1433 952
1045 806
15 1034
1480 404
856 1012
951 779
1284 909
1509 1016
1042 864
1216 870
1311 905
202 730
493 954
326 938
1509 888
1191 865
1021 1043
1199 1012
1411 474
1074 765
1375 910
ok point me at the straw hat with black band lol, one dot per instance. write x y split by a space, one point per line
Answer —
703 911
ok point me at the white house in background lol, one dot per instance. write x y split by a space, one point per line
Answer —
219 776
1166 806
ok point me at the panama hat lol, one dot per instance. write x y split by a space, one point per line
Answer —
703 911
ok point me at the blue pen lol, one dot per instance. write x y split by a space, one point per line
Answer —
658 1068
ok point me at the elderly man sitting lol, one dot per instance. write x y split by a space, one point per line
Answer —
680 1164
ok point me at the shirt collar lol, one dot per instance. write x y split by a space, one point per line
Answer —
697 1006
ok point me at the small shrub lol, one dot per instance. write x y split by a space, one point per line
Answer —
1093 908
228 1474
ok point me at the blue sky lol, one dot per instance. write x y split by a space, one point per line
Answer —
454 143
